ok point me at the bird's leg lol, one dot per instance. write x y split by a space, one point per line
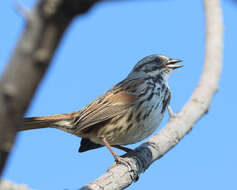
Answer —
171 113
123 148
117 158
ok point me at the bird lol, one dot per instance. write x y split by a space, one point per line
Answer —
126 114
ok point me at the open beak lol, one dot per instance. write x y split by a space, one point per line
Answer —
172 63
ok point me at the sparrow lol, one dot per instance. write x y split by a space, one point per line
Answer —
126 114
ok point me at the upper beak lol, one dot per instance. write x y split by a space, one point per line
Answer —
171 63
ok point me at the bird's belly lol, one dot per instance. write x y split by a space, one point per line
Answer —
138 127
150 118
142 130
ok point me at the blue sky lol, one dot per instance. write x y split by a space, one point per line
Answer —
98 50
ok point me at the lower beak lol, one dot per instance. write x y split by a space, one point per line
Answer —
172 63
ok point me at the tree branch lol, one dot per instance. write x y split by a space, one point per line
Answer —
122 175
8 185
44 29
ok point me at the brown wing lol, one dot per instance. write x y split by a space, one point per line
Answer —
104 108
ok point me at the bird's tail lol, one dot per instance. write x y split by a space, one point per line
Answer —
54 121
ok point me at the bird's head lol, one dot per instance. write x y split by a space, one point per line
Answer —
156 65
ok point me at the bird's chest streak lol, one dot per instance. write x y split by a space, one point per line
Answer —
140 121
148 114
